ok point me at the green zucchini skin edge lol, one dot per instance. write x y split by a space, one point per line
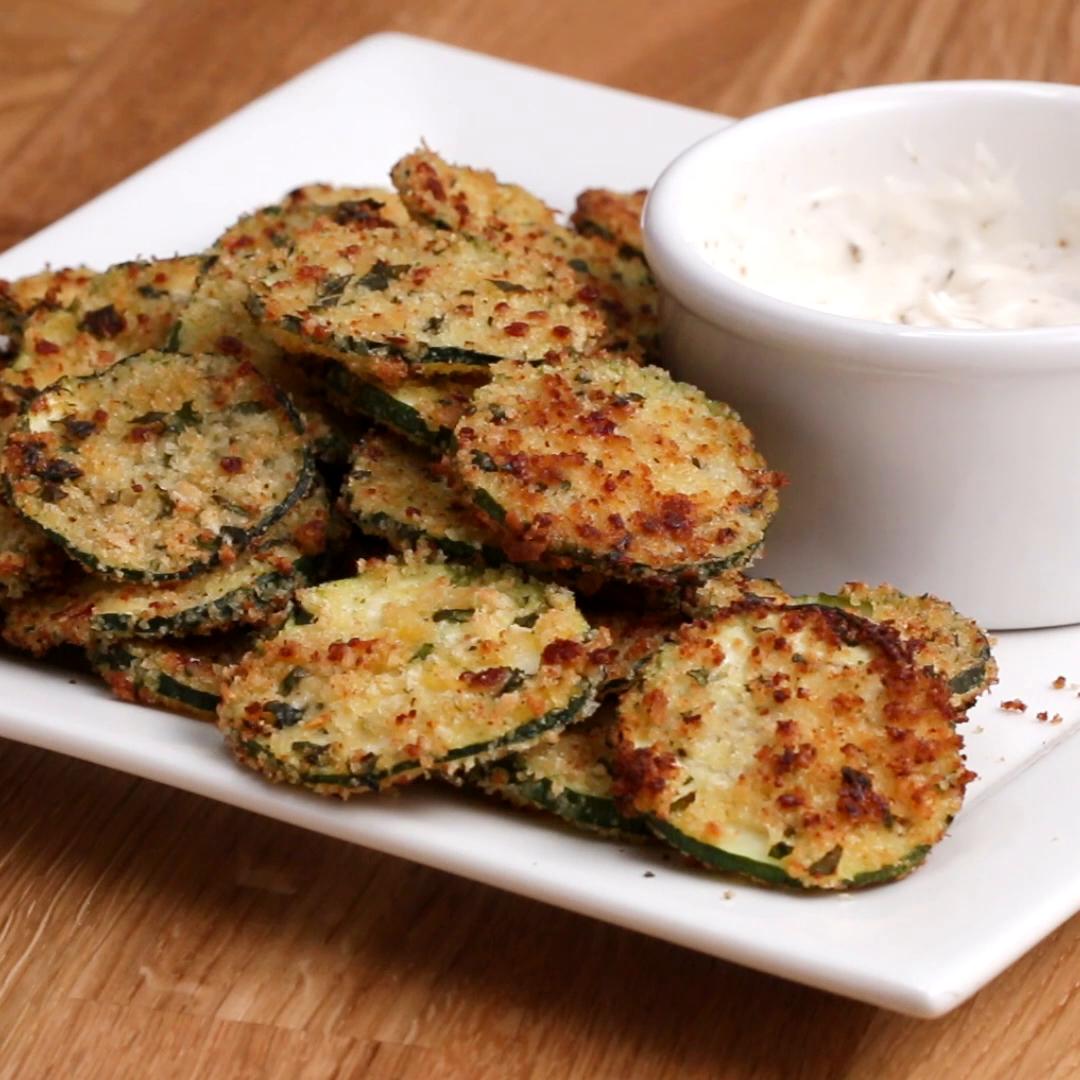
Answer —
433 356
257 596
376 404
304 481
487 504
401 533
589 812
717 859
959 685
165 686
374 779
168 687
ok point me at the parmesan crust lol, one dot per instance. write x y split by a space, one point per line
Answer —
421 295
612 215
465 200
247 591
86 323
155 467
569 777
28 558
617 468
184 677
395 491
408 668
799 744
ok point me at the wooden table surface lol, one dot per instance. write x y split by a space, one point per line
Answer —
145 932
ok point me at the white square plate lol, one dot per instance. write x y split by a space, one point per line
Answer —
1008 873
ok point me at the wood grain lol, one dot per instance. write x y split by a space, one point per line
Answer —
148 932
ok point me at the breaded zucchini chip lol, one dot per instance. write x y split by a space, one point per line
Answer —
612 215
425 296
799 745
617 468
248 591
181 676
411 667
91 325
395 491
569 777
464 200
217 319
943 639
952 644
155 467
423 410
28 558
617 283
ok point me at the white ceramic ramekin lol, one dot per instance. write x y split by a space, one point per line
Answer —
940 460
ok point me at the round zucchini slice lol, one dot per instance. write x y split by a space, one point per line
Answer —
799 745
421 295
465 200
28 558
411 667
569 777
129 308
617 468
424 411
614 216
395 492
247 591
952 644
185 677
155 467
473 202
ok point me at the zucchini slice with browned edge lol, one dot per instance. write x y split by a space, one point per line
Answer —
395 492
96 320
568 777
247 591
614 216
448 303
952 644
465 200
424 411
412 667
616 468
799 745
179 676
611 278
151 469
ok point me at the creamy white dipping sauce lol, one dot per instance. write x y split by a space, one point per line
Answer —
949 251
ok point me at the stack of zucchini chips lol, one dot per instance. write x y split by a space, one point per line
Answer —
392 485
